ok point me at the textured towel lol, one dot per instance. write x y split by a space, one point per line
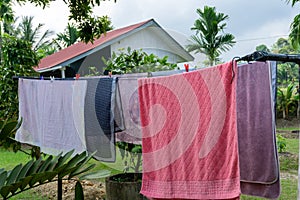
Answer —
99 118
189 135
128 93
256 131
52 113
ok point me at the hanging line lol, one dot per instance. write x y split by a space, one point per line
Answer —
264 56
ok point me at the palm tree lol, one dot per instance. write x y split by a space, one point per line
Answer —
295 27
26 31
68 37
287 99
208 39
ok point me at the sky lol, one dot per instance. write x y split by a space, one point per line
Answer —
252 22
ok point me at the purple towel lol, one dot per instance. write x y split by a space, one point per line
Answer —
128 92
259 166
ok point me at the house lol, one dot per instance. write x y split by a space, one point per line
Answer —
77 58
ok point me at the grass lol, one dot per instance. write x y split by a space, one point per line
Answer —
292 128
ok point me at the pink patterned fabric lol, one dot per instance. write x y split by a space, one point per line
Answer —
189 135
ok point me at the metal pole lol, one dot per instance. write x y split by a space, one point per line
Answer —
59 189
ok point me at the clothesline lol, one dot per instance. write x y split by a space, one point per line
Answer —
264 56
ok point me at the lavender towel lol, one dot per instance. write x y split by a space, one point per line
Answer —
128 93
52 113
99 118
259 166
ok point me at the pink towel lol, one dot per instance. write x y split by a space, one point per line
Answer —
189 135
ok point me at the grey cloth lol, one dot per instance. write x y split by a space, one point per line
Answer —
258 157
99 118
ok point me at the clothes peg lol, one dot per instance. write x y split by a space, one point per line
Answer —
186 66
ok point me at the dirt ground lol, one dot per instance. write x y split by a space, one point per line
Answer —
93 190
96 190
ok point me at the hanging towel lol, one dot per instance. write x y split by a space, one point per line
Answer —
99 117
52 113
256 131
128 93
189 131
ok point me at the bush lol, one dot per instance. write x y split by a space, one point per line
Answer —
136 61
17 60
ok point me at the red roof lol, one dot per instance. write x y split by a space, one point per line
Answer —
81 47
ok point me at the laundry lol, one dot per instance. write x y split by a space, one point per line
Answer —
99 117
256 131
61 115
49 110
128 93
190 148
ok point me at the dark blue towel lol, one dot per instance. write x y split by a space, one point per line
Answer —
99 118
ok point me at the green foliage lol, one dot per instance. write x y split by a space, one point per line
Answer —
136 61
131 155
287 100
7 133
93 71
68 37
210 38
25 30
93 27
38 172
262 47
89 27
18 60
281 143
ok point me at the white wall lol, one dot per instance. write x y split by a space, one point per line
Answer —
148 41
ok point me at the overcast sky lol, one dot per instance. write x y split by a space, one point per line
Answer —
252 22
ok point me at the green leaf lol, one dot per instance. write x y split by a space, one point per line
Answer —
45 164
7 129
19 124
54 162
64 158
76 159
5 190
2 122
14 174
96 175
25 182
79 191
3 177
34 167
84 170
65 171
77 171
35 178
25 169
15 187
